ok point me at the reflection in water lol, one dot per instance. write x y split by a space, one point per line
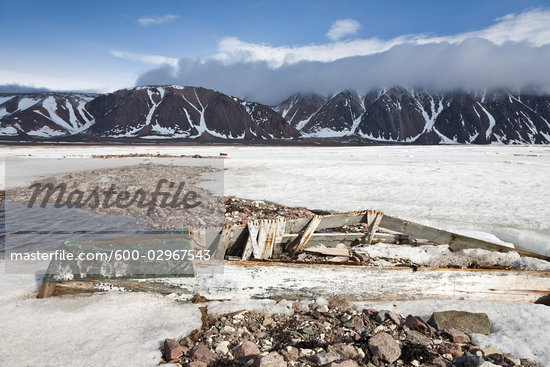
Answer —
24 229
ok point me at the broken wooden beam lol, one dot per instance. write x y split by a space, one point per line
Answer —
254 279
373 221
329 251
301 241
455 241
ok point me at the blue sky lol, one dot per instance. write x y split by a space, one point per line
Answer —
106 45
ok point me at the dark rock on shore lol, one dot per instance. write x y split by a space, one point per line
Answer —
466 322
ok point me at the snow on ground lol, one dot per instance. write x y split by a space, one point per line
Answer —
101 330
122 329
492 191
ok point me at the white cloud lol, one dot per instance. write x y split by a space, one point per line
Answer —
146 59
147 21
232 49
474 64
532 27
512 53
343 27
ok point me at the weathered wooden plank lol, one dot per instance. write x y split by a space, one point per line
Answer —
279 233
252 279
305 234
329 251
373 221
225 238
266 236
237 240
334 238
327 221
331 239
252 240
47 289
455 241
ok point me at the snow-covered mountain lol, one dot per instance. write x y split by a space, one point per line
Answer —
44 115
396 115
299 107
148 113
419 116
184 112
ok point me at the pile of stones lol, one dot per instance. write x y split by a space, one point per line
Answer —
240 211
334 334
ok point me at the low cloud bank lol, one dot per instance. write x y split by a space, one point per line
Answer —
473 63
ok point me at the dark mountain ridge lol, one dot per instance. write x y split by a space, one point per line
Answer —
385 115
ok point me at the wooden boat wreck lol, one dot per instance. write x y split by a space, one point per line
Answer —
259 260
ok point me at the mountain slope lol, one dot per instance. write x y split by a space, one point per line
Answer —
299 107
184 112
44 115
406 115
385 115
337 117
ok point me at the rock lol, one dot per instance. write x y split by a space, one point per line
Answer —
346 363
499 359
272 359
290 353
418 338
360 353
395 318
491 350
456 336
356 323
345 317
246 350
268 321
301 256
380 316
323 308
512 359
438 362
450 348
196 364
202 353
347 351
222 348
468 360
228 330
466 322
339 304
384 346
172 350
83 186
325 358
415 323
